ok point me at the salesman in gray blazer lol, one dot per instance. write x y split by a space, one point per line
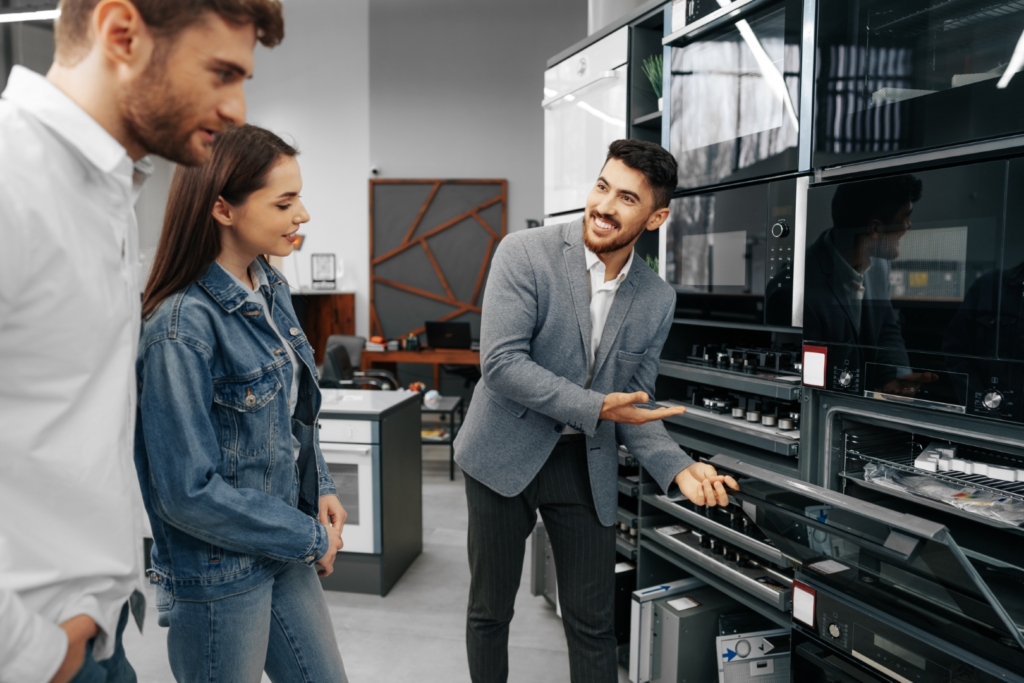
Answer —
572 330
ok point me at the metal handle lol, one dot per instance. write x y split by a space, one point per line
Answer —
607 75
333 451
904 522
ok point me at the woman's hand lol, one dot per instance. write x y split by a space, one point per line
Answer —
703 485
332 516
80 630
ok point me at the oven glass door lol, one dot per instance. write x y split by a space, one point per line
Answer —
584 112
812 662
903 75
734 99
352 468
724 261
903 273
904 565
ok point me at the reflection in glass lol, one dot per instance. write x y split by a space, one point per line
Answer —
908 74
732 99
346 480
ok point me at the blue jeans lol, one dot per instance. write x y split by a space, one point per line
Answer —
113 670
281 626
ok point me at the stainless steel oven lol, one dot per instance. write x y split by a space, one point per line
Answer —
736 254
734 90
884 590
899 76
914 289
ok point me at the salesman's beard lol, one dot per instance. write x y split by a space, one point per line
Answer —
621 238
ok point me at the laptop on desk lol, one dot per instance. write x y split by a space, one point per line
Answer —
448 335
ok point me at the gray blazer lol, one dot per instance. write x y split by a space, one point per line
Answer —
534 346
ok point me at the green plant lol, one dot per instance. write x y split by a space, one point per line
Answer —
652 68
652 261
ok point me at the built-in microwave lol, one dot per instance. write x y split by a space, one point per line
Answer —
899 76
734 90
914 289
736 254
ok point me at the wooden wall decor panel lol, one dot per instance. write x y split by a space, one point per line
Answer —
404 221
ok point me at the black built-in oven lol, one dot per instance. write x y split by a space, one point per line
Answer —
735 254
899 76
914 289
734 96
883 595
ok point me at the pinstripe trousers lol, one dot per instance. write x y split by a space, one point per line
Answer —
584 553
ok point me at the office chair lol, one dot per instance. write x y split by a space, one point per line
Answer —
342 357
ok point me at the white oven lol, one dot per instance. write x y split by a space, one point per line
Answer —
354 468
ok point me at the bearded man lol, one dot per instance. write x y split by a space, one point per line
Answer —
571 335
129 79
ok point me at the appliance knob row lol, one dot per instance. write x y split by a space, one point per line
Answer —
845 378
780 229
992 400
834 631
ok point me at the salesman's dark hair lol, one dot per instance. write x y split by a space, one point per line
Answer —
190 242
854 205
654 161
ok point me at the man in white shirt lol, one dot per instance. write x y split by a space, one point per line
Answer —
128 79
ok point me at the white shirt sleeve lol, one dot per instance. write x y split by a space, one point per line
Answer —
12 256
31 647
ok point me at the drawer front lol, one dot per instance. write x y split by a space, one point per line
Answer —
347 431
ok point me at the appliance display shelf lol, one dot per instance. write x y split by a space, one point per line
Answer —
770 439
727 379
630 519
625 548
629 488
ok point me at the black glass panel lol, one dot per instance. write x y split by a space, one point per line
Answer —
734 99
346 480
865 556
902 75
906 263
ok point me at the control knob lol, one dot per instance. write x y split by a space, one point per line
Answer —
845 378
780 229
992 400
834 630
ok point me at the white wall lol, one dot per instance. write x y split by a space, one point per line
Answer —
313 90
456 87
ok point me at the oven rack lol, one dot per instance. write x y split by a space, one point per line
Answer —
904 462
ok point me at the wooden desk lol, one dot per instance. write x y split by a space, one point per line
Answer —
435 357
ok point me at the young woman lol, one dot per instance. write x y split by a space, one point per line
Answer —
243 509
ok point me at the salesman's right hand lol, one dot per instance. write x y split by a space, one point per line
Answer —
80 630
326 563
622 407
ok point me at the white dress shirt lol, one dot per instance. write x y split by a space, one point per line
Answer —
602 295
70 522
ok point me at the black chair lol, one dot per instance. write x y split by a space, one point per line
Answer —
342 357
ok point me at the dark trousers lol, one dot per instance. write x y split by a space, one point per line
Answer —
584 552
113 670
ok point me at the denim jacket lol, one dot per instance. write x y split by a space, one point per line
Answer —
227 499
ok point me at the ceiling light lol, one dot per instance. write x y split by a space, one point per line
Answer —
42 15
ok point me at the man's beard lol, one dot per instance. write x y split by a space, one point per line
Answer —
158 119
620 239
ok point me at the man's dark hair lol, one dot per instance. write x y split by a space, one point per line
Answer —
166 19
856 204
654 161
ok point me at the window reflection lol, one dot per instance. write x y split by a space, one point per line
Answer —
732 99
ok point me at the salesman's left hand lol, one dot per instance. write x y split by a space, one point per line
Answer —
332 514
703 485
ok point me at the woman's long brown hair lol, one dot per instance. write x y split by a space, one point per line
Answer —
190 241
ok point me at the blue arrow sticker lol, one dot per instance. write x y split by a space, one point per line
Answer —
655 590
729 655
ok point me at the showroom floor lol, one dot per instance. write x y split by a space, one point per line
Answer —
417 632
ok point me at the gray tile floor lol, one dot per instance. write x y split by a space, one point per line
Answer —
417 632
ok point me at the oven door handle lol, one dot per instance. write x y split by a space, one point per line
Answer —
847 674
903 522
607 75
333 453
